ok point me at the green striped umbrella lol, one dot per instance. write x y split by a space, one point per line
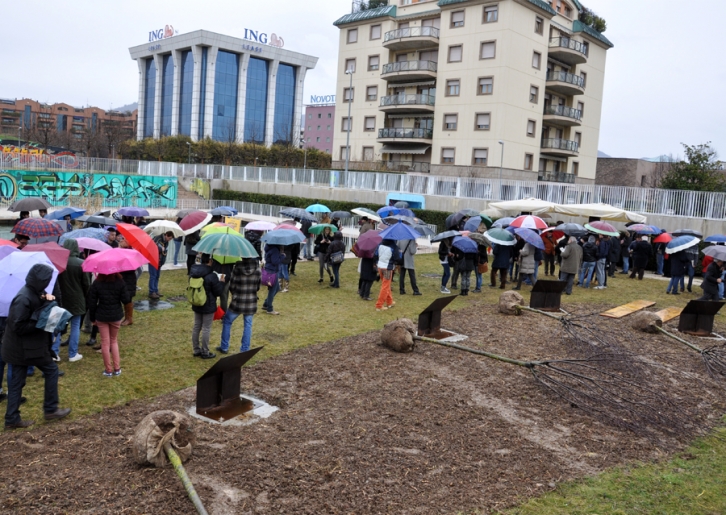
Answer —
226 247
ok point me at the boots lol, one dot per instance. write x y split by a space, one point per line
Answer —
128 314
503 285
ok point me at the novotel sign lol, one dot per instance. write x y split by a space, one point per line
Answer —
322 99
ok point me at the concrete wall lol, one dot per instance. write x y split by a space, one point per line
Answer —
628 172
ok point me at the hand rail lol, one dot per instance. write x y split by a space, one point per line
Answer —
403 132
412 32
570 43
570 78
409 66
408 99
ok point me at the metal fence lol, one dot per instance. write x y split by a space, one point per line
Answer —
696 204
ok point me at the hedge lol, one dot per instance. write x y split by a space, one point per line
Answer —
437 218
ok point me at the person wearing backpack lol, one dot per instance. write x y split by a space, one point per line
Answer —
335 256
243 286
204 288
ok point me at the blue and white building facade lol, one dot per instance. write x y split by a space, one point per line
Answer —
203 84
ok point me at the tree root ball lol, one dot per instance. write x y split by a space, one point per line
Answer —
155 430
398 335
508 302
646 321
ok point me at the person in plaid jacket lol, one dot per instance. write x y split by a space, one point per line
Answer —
244 285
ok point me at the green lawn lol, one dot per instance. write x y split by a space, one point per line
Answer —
156 356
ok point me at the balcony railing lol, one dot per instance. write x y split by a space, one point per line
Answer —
402 99
556 177
569 78
400 132
561 144
413 32
567 112
569 43
409 66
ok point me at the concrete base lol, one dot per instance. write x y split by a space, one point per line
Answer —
260 411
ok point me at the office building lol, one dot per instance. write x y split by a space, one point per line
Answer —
319 127
462 87
204 84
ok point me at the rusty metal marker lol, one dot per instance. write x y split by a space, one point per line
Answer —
547 295
218 390
697 317
429 321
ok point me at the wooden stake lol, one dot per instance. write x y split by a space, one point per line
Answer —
188 486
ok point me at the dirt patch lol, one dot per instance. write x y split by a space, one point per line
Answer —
363 429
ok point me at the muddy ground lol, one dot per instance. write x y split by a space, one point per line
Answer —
364 430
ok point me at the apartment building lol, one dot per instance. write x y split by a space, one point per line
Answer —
319 127
464 87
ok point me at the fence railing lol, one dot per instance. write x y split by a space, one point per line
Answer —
411 32
409 66
570 78
560 110
569 43
561 144
695 204
402 99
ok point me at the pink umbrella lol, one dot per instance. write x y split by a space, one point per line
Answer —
194 221
260 225
92 244
529 222
113 261
287 227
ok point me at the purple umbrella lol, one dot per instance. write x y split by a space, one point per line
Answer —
367 243
530 237
466 245
133 211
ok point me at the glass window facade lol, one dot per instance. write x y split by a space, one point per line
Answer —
185 93
62 123
26 116
167 94
149 98
256 100
226 80
94 122
284 104
203 92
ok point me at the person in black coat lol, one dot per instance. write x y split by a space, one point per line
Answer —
130 279
613 257
446 258
336 246
642 251
368 274
106 299
25 345
465 264
322 242
204 315
502 256
711 280
254 238
679 266
625 241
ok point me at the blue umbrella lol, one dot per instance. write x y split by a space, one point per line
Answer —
530 237
223 211
465 245
472 224
317 208
283 237
406 212
59 214
388 211
14 269
400 231
229 208
716 238
90 232
681 243
503 222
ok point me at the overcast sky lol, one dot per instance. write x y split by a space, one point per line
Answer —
665 78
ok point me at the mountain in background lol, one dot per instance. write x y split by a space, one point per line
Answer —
130 107
602 154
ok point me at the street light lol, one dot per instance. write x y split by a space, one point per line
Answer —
350 102
501 165
190 152
19 129
113 151
305 153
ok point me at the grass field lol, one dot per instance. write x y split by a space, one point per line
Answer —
156 356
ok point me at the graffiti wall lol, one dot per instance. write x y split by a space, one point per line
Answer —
116 190
30 153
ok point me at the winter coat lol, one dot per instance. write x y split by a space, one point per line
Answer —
502 255
106 300
386 257
589 252
408 249
614 254
679 263
571 259
367 226
189 241
692 254
322 243
305 226
527 259
130 281
624 246
464 262
212 286
709 285
642 250
243 287
254 238
368 270
550 244
23 343
336 246
162 245
603 249
74 282
481 255
273 258
444 257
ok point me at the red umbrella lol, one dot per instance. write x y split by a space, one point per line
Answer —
529 222
194 221
663 238
57 254
287 227
601 227
8 242
557 235
141 241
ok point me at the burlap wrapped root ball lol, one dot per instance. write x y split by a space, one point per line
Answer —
646 321
155 430
398 335
508 302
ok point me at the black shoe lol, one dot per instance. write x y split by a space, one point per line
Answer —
219 349
402 293
64 343
320 280
689 290
90 342
208 355
57 414
23 400
332 279
293 273
3 396
416 293
197 354
19 425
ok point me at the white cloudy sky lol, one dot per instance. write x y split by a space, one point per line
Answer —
665 78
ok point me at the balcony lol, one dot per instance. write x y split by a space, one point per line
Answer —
562 115
568 50
565 83
407 103
405 134
409 70
556 177
413 38
560 147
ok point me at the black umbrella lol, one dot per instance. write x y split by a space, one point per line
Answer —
393 219
456 218
340 215
425 230
105 212
296 212
444 235
687 232
100 220
29 204
469 212
401 204
571 229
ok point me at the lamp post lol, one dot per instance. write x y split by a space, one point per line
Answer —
501 165
189 146
350 102
113 151
19 129
305 154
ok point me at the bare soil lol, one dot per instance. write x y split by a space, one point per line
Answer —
365 430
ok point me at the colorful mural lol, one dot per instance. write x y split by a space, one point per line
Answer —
57 187
31 153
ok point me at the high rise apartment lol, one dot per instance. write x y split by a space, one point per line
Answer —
319 127
460 87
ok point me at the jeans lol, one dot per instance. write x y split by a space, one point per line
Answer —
307 247
691 273
626 264
323 265
673 284
659 264
109 344
271 292
336 274
75 328
478 280
227 321
446 276
586 273
600 271
285 272
465 280
203 324
402 280
536 270
154 274
16 383
570 279
177 248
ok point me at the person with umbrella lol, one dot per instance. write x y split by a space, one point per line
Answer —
111 237
679 267
660 248
336 251
25 345
589 261
387 258
305 225
162 243
642 251
550 251
446 258
603 251
130 280
464 261
21 241
244 284
692 253
571 263
502 256
526 264
481 265
322 242
74 285
408 249
625 242
365 225
213 285
613 256
273 261
712 279
254 238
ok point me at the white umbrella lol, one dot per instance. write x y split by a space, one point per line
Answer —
602 211
160 227
525 205
361 211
